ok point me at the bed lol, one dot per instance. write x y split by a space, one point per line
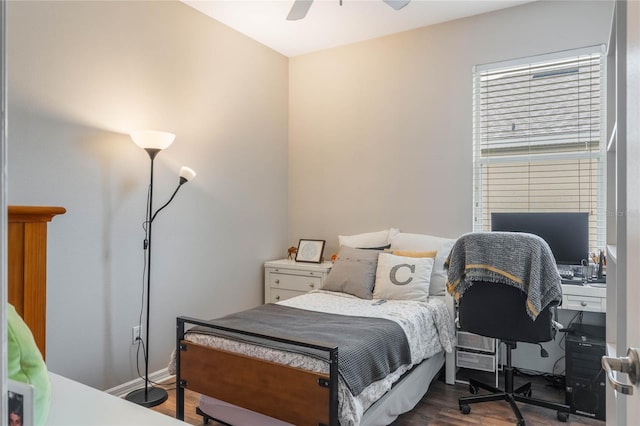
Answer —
252 369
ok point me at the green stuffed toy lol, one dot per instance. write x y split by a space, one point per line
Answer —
25 363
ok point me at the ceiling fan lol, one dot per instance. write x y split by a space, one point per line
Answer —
301 7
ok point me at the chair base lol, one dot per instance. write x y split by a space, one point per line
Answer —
521 394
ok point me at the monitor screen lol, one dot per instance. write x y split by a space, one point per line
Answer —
566 233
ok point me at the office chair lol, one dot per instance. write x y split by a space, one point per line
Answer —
500 306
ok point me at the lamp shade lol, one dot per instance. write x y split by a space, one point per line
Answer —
187 173
152 139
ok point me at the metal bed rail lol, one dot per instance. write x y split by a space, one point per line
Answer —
332 352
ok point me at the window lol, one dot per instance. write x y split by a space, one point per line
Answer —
538 138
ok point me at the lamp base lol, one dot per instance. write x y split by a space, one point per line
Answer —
149 398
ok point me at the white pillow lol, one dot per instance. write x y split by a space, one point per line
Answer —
368 239
402 278
423 242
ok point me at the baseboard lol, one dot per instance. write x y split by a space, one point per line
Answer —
123 389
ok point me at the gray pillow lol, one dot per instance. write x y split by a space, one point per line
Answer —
354 272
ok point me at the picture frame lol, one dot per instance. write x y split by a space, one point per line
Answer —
20 403
310 251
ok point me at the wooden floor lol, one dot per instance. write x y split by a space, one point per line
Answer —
440 407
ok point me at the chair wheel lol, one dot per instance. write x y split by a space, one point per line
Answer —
465 409
473 389
520 423
527 393
563 416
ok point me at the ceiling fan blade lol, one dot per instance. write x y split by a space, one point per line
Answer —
397 4
299 10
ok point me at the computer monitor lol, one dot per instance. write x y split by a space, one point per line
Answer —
566 233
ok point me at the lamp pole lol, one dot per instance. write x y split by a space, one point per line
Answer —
150 396
153 142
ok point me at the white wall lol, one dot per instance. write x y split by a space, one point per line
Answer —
82 75
381 131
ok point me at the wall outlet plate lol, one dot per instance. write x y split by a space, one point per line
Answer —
135 334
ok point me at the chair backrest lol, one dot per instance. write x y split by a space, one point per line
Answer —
499 311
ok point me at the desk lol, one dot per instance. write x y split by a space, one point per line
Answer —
73 403
587 298
484 355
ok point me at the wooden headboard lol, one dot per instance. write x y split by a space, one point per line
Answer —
27 265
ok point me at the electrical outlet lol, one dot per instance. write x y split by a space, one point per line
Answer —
135 334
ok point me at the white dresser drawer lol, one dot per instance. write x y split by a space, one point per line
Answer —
284 278
304 282
279 294
583 303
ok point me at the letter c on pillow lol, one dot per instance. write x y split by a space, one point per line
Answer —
394 271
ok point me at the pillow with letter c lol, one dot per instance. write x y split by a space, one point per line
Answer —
402 278
423 242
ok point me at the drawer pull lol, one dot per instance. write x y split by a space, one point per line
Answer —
277 297
312 285
583 303
277 281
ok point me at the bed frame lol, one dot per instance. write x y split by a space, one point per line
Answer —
311 398
255 384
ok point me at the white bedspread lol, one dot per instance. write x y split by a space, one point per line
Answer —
428 326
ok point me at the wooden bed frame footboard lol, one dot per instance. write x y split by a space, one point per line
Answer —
287 393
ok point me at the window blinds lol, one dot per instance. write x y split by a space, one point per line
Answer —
538 138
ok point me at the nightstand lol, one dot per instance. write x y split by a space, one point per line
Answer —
285 278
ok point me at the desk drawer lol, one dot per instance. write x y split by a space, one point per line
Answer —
583 303
304 282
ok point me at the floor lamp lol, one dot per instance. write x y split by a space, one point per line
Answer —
153 142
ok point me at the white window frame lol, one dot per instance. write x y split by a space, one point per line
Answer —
479 215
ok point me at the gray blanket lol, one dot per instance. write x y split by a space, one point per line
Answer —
369 348
519 259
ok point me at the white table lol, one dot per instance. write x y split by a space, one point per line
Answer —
73 403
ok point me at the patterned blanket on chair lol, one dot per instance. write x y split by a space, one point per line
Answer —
515 258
